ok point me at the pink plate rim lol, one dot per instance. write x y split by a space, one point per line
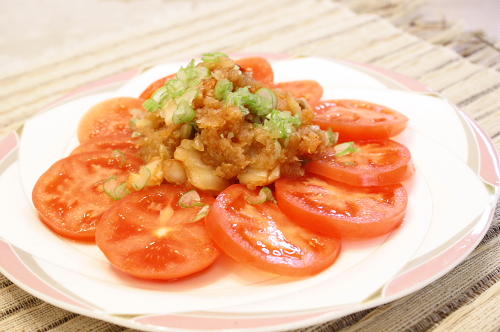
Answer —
405 283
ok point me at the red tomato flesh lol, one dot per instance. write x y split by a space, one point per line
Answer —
262 236
122 143
151 89
332 208
148 235
259 67
358 120
375 163
110 117
70 198
310 90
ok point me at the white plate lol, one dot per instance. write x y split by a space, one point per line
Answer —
60 278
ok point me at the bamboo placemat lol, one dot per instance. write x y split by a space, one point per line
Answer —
466 299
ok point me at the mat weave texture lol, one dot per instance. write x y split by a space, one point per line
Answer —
466 299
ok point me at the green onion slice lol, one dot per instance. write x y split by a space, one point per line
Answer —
184 113
213 57
268 94
333 136
190 199
151 105
344 149
114 189
265 194
202 213
281 124
222 88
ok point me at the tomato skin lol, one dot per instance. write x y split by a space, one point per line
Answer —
260 68
359 120
332 208
148 235
123 143
151 89
375 163
312 91
110 117
69 196
267 239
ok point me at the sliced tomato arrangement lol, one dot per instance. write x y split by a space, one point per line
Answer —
262 236
336 209
310 90
149 235
166 232
118 143
374 163
150 90
70 195
110 117
359 120
259 67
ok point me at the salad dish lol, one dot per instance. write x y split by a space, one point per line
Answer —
218 159
440 227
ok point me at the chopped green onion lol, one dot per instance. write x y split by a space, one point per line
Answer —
160 94
281 124
115 190
237 99
269 95
349 163
265 194
190 199
151 105
140 180
184 113
213 57
333 136
344 149
188 96
175 88
202 213
257 104
222 88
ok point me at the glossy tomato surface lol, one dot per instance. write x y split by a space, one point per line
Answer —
262 236
118 143
150 90
374 163
358 120
110 117
70 195
259 67
149 235
310 90
332 208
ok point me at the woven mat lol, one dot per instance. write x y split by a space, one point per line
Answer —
466 299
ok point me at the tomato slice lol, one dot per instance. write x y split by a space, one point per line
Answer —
312 91
259 67
148 235
146 94
374 163
332 208
358 120
70 195
110 117
262 236
113 143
